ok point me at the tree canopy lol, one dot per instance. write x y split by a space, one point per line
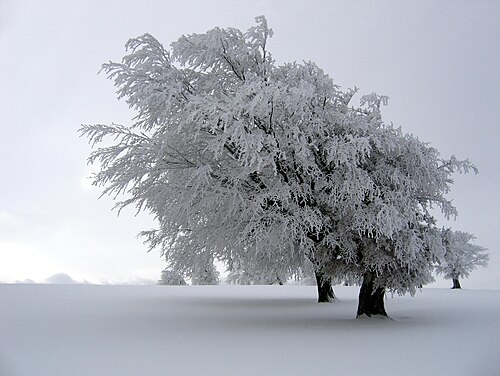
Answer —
269 165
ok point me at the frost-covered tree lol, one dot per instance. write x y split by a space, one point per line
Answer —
201 271
246 160
245 277
195 263
461 257
397 242
204 271
170 277
219 149
255 269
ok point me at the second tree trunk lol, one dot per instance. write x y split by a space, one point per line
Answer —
456 284
371 300
325 289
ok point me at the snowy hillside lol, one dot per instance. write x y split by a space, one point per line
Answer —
86 330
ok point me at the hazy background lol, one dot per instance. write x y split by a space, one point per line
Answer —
437 61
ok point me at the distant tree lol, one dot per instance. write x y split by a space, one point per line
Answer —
461 257
204 271
170 277
243 277
255 269
246 161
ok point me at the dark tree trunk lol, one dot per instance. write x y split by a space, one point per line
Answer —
371 301
456 284
325 289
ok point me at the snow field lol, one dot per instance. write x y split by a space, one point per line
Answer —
77 330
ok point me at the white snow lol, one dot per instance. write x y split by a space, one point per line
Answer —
91 330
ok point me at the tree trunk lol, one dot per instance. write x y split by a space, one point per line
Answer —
371 301
456 284
325 289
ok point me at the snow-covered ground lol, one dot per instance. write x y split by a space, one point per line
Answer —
89 330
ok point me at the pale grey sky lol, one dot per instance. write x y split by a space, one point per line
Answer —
437 61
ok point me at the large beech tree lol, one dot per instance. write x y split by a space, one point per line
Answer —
261 164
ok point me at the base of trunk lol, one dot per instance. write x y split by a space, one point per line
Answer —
325 289
456 284
371 301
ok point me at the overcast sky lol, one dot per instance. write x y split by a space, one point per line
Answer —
438 61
